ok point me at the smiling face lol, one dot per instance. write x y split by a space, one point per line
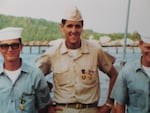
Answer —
72 31
145 50
10 50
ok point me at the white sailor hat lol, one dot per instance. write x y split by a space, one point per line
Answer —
72 13
145 39
10 33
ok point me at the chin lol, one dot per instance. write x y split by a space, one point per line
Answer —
11 59
73 42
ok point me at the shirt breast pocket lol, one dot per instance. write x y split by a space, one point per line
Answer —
137 98
28 100
61 74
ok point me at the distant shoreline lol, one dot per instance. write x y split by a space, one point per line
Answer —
47 43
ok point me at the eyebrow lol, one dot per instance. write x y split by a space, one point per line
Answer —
76 25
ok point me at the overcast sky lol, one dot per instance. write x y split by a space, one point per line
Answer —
103 16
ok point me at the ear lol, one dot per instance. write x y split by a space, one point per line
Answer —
140 43
61 27
21 47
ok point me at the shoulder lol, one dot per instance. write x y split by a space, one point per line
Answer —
55 43
31 69
54 46
33 75
131 66
129 70
94 43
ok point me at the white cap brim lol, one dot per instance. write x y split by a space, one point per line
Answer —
10 33
145 39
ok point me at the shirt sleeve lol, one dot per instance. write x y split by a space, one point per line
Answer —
105 61
119 92
110 57
43 62
42 93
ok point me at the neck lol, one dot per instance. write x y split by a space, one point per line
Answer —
12 65
145 63
73 45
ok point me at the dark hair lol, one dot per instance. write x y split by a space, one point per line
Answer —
20 40
63 21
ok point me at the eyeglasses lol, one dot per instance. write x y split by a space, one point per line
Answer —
13 46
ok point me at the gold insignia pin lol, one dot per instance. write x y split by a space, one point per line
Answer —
22 101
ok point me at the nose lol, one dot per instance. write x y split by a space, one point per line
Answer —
9 48
74 29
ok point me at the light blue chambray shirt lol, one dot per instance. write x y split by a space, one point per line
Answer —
30 86
133 88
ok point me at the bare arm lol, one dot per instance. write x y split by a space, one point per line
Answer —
44 110
112 75
119 108
109 102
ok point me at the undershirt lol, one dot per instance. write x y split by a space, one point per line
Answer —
73 52
147 70
13 75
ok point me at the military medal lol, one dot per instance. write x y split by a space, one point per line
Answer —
90 73
22 101
89 77
83 75
21 107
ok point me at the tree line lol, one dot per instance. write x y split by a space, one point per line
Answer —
44 30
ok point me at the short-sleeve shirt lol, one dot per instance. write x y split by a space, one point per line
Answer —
75 77
132 88
27 94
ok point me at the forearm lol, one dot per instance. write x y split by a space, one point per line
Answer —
113 76
44 110
119 108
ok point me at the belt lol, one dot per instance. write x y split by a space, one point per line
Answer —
77 105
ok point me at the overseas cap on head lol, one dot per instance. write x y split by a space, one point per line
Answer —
146 39
72 14
10 33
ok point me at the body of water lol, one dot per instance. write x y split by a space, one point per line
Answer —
131 53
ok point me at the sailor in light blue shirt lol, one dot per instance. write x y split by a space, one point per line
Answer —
23 88
132 88
27 94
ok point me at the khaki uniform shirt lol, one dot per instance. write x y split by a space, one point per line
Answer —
75 78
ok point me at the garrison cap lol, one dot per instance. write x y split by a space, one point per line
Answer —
72 14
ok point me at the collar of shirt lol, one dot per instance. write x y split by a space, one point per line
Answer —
139 66
24 67
147 70
84 47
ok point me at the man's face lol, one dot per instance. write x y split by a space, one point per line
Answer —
72 31
10 49
145 49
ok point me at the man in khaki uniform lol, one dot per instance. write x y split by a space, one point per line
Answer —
75 63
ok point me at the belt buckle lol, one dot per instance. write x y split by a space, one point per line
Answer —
78 106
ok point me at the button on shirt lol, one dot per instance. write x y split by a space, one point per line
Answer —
75 76
29 90
132 88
